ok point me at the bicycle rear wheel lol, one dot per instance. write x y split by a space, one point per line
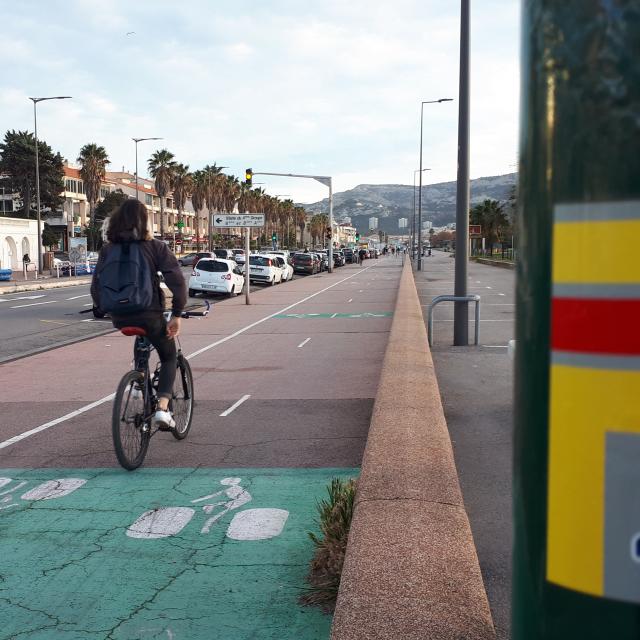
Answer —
130 433
181 403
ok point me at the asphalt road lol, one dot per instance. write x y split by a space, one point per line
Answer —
36 321
284 391
476 385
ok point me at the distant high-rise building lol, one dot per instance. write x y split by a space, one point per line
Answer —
373 223
402 223
427 224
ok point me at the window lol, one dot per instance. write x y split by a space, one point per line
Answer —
148 200
212 265
80 187
104 192
260 261
6 206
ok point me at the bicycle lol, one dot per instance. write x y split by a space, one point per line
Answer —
136 399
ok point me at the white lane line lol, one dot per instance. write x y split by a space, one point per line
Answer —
303 343
32 304
234 406
334 315
97 403
53 423
84 295
361 290
495 346
350 300
487 287
502 294
89 304
21 298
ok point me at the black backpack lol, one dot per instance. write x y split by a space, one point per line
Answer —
125 280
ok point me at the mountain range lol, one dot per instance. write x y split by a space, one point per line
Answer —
390 202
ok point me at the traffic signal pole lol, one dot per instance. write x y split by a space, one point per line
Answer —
576 492
325 180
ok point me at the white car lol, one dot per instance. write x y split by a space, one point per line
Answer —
264 268
213 275
287 269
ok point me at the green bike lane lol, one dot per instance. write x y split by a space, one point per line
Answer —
210 538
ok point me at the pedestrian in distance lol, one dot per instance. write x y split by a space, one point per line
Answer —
126 285
26 259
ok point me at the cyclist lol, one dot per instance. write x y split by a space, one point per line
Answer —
130 223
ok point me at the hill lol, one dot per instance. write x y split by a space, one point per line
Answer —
389 202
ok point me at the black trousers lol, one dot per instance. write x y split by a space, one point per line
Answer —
156 327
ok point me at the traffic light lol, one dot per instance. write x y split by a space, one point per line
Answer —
274 237
357 237
328 233
248 176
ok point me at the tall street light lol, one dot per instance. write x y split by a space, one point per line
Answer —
35 128
460 314
420 170
136 140
413 224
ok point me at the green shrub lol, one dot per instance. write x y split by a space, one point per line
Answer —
330 547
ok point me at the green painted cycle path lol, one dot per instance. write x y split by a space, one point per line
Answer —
197 553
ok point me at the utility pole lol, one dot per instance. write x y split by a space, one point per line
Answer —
576 484
460 309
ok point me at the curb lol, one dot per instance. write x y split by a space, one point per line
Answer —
495 263
411 570
36 286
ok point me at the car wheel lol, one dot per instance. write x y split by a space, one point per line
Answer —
273 282
192 293
232 293
181 263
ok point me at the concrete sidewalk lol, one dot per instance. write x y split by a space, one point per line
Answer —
19 285
477 393
411 569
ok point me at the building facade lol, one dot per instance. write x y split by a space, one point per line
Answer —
17 237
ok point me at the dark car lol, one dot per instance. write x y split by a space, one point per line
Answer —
323 256
350 256
304 263
338 259
225 254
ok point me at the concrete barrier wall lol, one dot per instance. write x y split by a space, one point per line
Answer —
411 570
495 263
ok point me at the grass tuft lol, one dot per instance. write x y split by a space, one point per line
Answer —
334 521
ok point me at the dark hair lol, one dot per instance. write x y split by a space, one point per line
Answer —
130 221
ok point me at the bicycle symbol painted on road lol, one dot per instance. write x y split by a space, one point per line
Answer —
49 490
249 524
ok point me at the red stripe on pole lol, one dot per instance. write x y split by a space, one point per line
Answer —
596 326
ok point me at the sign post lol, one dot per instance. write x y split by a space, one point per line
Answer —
248 221
576 477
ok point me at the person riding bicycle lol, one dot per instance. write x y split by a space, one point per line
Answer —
130 224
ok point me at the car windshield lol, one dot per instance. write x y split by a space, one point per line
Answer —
212 265
221 253
260 261
304 257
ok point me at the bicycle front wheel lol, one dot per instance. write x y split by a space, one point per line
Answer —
182 399
131 433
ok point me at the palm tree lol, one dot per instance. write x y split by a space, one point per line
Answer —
182 188
301 221
490 215
93 161
198 200
162 167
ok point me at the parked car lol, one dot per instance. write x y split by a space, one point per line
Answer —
214 275
304 263
225 254
350 256
324 260
188 259
60 259
287 269
264 269
338 258
238 255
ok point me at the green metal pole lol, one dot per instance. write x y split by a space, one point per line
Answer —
577 389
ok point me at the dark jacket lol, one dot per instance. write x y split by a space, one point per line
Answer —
160 259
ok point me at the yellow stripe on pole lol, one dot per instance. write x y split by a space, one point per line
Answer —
596 252
585 404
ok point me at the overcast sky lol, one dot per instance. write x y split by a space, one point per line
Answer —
323 86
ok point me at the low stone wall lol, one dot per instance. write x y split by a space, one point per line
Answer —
495 263
411 570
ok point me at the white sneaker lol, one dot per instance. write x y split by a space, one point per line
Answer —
163 420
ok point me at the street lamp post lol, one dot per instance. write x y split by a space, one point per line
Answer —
35 131
136 140
413 224
420 170
460 314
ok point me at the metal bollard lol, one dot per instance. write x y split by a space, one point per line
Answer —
470 298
